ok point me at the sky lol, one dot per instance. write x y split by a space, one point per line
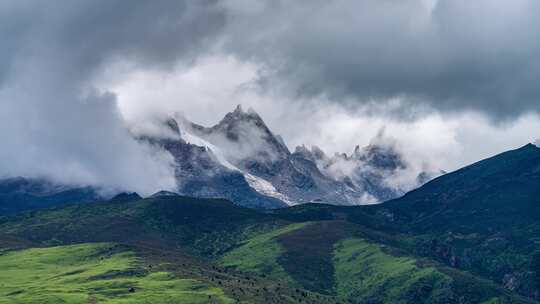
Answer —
452 81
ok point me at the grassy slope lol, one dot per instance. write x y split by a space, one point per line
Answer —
508 255
260 254
366 274
303 254
93 273
308 254
183 235
360 271
204 227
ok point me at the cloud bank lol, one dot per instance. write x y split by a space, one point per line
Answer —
215 85
53 122
447 54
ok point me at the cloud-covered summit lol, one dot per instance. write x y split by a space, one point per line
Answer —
321 64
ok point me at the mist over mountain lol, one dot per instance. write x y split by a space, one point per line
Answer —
241 159
18 194
466 237
270 151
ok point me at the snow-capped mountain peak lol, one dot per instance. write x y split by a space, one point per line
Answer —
240 158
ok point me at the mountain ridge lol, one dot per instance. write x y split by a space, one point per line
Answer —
242 144
315 261
19 194
482 218
470 236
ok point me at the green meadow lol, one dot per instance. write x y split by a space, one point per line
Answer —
93 273
260 254
365 273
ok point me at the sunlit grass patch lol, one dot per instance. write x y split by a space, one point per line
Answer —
260 254
93 273
364 272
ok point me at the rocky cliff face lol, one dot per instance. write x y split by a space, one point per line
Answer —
242 160
202 170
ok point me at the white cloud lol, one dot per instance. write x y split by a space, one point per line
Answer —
215 85
53 122
456 55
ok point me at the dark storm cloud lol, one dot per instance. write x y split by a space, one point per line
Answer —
82 35
52 121
452 54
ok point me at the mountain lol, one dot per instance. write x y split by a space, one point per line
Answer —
240 159
20 194
201 170
245 139
470 236
181 249
484 218
370 170
502 191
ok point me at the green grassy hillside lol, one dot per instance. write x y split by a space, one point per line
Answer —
178 235
204 227
326 258
365 273
94 273
307 254
260 254
483 218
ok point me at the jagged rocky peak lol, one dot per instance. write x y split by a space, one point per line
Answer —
239 111
318 153
381 156
231 119
246 129
230 123
240 135
172 125
303 151
314 154
382 153
241 159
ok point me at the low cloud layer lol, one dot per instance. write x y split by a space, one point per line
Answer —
215 85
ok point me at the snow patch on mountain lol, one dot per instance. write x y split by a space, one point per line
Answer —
258 184
241 159
216 152
266 188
